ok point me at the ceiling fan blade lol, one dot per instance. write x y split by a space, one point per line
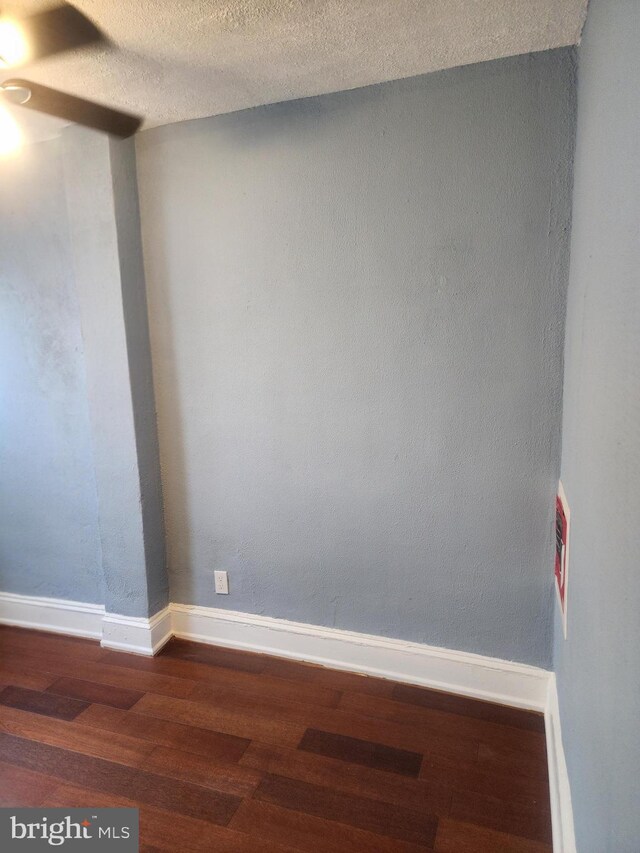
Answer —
42 99
55 30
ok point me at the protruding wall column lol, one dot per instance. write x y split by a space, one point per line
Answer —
101 187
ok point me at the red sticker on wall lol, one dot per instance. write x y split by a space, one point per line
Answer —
562 552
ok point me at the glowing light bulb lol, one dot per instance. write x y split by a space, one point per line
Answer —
10 134
14 49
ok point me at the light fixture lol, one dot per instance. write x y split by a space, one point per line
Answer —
45 33
14 48
15 93
10 134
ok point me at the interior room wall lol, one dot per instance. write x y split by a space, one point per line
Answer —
101 194
598 670
356 309
49 536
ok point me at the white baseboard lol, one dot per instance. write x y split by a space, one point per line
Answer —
564 840
79 619
52 614
137 634
467 674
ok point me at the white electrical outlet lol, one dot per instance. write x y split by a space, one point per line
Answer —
222 583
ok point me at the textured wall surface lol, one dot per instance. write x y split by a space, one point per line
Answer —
49 538
598 666
356 309
134 308
106 256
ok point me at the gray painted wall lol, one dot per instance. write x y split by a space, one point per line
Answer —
49 538
356 308
598 668
134 309
106 256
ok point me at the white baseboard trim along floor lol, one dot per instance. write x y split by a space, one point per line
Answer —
463 673
564 840
414 663
52 614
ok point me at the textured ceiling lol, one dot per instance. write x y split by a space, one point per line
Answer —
182 59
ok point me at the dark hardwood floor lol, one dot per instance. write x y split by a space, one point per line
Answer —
233 752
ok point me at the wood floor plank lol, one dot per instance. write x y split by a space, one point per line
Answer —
351 778
73 768
72 736
214 655
312 834
23 788
100 694
470 776
187 738
39 702
333 678
266 686
166 830
372 815
201 714
493 758
17 677
223 696
501 714
226 777
456 837
398 735
284 721
39 642
49 666
365 752
444 722
511 817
